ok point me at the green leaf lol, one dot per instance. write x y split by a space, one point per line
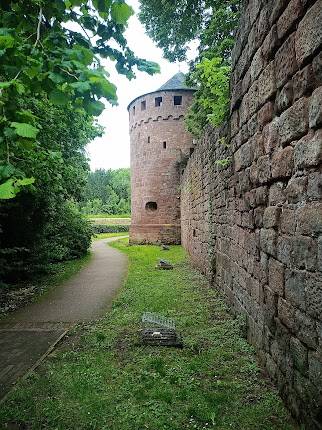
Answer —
4 85
149 67
102 5
58 98
95 107
6 41
25 130
81 86
121 12
8 190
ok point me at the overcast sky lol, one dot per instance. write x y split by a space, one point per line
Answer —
113 149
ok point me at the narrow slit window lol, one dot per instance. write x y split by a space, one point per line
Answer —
149 139
164 145
143 105
177 100
158 101
191 151
133 110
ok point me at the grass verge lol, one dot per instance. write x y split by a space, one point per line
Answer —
103 380
108 235
18 295
102 215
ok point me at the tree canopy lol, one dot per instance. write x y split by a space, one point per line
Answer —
53 50
210 22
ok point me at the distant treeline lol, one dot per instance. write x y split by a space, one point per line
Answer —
107 191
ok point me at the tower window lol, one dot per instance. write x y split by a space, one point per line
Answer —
177 100
149 139
164 145
194 233
143 105
191 151
158 101
151 206
133 110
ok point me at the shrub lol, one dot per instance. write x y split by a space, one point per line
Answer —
102 228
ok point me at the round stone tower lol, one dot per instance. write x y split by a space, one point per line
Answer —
159 144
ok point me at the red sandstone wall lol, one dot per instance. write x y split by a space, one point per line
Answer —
255 227
155 173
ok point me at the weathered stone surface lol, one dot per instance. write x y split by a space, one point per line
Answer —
289 17
313 294
268 239
303 82
282 162
270 44
271 136
265 114
277 194
288 221
284 97
266 84
317 68
263 169
271 216
299 354
286 313
295 288
304 253
315 110
309 33
310 219
276 276
314 187
293 123
306 329
285 61
315 369
295 190
308 151
243 157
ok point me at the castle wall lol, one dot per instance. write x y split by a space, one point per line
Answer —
155 173
255 226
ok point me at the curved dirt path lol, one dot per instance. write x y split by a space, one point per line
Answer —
28 334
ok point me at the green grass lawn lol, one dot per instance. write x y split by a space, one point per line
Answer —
104 380
108 235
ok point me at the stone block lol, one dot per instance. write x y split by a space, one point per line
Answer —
243 157
295 288
289 17
282 162
293 123
319 265
261 195
284 97
304 253
308 151
288 221
271 136
313 294
285 61
299 355
271 216
315 369
270 44
303 82
277 9
309 33
310 219
257 65
276 276
314 186
296 189
306 329
266 84
253 99
286 314
277 194
265 114
264 169
284 249
315 109
268 239
317 68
